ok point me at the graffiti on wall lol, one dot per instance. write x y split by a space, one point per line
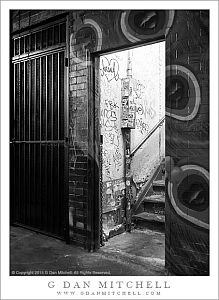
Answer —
187 121
131 96
112 139
109 68
112 148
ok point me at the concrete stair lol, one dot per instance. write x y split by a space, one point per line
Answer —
151 212
151 217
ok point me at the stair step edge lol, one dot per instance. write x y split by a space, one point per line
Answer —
159 183
150 217
154 199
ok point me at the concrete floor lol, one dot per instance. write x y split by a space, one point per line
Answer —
141 252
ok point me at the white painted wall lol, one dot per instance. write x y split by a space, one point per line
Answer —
149 70
148 93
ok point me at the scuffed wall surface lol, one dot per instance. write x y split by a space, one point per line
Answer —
187 144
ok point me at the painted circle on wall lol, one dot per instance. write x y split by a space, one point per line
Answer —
193 192
183 96
138 25
190 196
89 35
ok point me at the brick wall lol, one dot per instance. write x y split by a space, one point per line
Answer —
78 140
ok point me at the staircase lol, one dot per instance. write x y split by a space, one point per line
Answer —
149 210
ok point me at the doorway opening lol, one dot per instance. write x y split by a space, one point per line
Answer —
131 93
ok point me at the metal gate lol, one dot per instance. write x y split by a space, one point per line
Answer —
38 152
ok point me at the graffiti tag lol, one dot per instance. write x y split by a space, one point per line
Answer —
110 69
117 159
142 126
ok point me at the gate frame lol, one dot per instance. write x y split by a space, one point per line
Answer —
55 20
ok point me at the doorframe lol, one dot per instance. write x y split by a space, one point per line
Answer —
94 194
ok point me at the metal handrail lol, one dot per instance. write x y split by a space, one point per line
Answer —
147 137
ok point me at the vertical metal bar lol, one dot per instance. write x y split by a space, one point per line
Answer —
46 94
19 186
29 152
40 146
30 91
58 190
23 148
35 190
40 93
46 146
34 204
14 116
24 101
52 207
12 156
19 96
24 197
58 149
46 186
29 183
35 90
52 84
58 95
